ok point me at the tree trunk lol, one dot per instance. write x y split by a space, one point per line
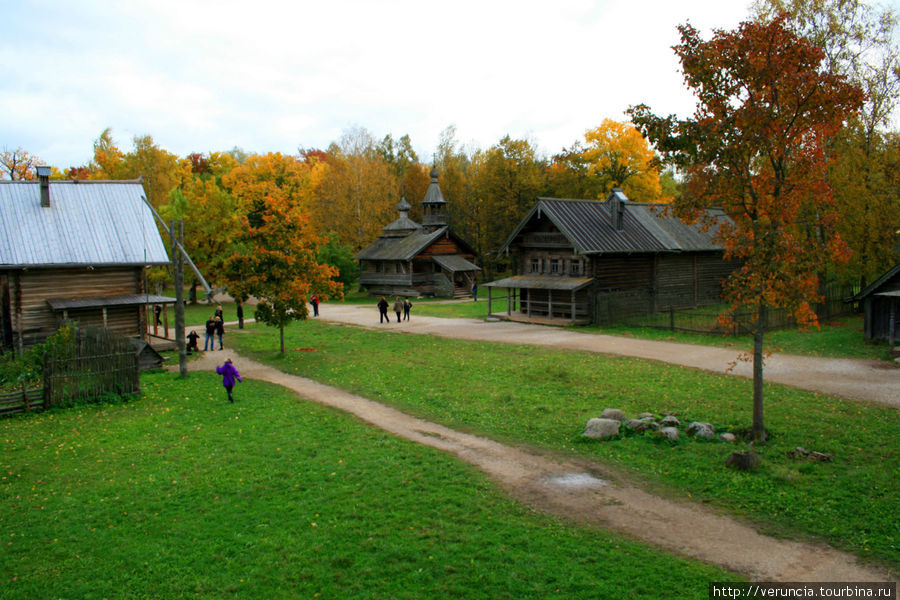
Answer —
281 329
759 429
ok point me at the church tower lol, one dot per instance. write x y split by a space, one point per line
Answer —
434 206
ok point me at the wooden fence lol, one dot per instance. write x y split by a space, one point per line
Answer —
23 400
634 308
92 363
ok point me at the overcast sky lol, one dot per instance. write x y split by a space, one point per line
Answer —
271 76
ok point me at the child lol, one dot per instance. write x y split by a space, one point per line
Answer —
229 373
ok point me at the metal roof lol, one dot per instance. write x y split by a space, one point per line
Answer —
646 228
132 300
889 280
541 282
455 263
87 223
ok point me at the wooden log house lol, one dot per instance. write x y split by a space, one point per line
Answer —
881 307
584 261
75 250
415 260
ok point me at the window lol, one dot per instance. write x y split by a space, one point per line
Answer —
535 265
575 267
554 266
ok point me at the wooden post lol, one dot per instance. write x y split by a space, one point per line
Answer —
671 318
25 397
166 321
47 376
892 323
490 304
179 304
573 307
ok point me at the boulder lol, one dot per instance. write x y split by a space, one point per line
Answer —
638 425
613 413
701 429
645 415
668 432
602 428
670 421
727 437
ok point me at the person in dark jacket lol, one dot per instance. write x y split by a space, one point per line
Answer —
210 342
382 309
229 374
220 330
407 305
240 314
192 342
315 304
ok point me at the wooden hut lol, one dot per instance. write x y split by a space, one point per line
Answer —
584 261
74 250
415 260
881 306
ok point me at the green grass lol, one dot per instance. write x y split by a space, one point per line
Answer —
180 494
543 397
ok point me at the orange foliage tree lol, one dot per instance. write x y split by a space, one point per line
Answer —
275 255
756 146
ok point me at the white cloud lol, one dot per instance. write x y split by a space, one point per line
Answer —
272 76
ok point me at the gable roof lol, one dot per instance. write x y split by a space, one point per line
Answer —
407 247
588 226
884 285
95 223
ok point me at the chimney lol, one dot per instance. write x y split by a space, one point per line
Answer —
43 174
617 200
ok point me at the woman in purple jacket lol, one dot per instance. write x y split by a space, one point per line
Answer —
229 373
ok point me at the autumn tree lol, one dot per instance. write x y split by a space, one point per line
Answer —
506 180
859 42
18 164
275 257
617 156
756 146
356 192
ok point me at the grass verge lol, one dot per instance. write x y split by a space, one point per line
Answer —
543 397
181 494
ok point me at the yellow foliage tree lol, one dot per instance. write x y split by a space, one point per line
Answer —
618 156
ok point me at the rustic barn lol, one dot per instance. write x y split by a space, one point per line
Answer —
74 250
584 261
881 306
415 260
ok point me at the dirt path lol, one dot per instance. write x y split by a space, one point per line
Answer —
590 494
877 381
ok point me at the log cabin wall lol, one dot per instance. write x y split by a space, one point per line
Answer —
31 316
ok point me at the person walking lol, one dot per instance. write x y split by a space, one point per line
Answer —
315 304
220 330
229 374
240 314
398 307
475 291
407 305
209 343
382 310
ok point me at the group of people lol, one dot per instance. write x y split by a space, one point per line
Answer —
400 307
215 328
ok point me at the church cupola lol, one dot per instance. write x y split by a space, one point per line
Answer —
434 205
403 225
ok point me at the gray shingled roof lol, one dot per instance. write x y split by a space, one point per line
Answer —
587 224
542 282
87 223
404 248
454 263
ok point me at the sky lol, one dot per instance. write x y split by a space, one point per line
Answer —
272 76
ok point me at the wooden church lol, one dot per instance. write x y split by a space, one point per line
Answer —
409 259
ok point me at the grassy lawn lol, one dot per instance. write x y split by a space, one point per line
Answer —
544 397
180 494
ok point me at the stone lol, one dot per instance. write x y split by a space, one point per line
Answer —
668 432
645 415
743 461
638 425
670 421
602 428
613 413
701 429
727 437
